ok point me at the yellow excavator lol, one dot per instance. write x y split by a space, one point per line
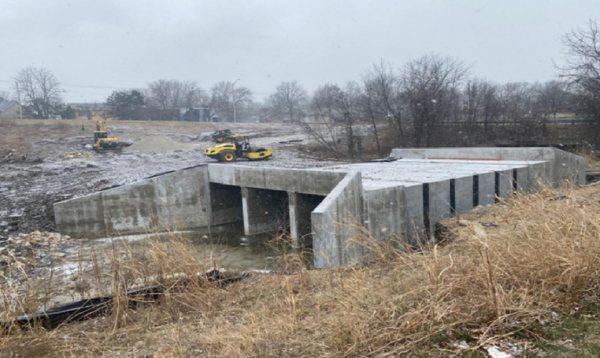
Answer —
103 140
229 152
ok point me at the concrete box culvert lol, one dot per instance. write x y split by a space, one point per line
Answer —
403 199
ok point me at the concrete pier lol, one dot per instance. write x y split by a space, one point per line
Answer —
331 209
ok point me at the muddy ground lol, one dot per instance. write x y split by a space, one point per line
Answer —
45 161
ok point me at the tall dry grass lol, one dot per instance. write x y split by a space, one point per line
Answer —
510 269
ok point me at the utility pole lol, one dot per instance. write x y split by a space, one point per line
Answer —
233 100
19 100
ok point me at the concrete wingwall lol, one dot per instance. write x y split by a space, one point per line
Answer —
564 166
178 200
337 224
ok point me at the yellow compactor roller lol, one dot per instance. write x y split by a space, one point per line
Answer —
229 152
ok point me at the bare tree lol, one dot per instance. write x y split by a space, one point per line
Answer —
4 96
384 91
323 106
228 101
334 108
348 106
39 90
174 94
368 106
431 88
481 105
583 67
552 97
517 100
288 101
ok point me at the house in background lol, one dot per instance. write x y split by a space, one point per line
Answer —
88 109
9 109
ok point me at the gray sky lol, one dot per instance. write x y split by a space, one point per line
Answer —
94 47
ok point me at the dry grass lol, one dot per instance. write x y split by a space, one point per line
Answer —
592 158
510 269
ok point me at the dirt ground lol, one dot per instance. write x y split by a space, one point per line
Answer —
45 161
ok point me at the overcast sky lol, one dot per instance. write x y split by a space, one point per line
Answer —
94 47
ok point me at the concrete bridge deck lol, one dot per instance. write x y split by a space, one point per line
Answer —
328 208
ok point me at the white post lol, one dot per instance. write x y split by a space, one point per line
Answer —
19 100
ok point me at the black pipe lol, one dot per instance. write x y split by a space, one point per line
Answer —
98 306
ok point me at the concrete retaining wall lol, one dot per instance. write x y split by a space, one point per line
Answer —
414 210
337 223
173 201
385 213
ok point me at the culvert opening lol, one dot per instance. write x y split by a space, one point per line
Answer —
264 211
305 204
226 206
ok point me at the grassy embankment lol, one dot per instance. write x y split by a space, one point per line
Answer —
524 273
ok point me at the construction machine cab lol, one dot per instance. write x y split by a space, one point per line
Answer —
100 135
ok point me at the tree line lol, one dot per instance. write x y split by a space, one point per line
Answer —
414 104
411 104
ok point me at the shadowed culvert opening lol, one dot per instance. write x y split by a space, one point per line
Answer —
226 204
306 203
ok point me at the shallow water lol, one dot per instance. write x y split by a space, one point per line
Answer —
64 278
232 251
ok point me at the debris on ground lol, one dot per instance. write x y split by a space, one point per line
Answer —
384 160
504 350
32 250
290 141
72 155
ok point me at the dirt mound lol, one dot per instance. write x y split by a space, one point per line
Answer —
155 144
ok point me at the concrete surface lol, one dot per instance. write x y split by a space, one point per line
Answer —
306 181
337 223
333 209
564 166
385 212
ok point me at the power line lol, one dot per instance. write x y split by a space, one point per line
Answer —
86 86
115 87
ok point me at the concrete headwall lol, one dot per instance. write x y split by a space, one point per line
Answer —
564 166
174 201
337 223
304 181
